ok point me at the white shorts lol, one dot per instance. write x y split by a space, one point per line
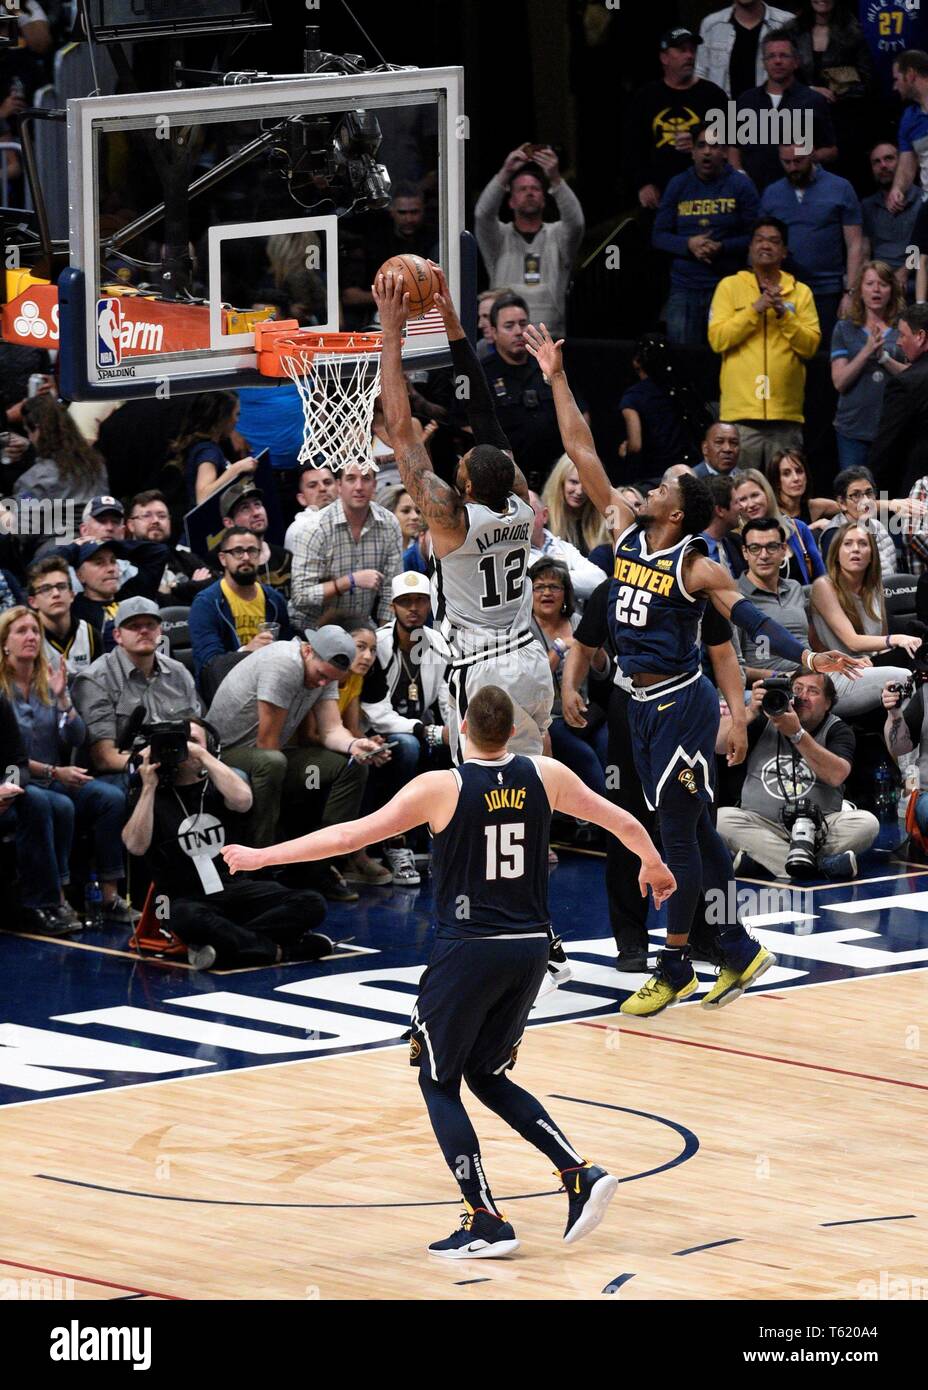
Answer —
525 675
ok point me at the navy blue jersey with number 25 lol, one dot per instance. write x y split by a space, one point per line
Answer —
490 863
653 621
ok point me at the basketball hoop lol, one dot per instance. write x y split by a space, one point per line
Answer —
338 378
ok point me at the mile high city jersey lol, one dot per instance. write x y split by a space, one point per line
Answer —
654 622
479 594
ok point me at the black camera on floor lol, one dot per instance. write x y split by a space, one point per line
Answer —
806 826
777 697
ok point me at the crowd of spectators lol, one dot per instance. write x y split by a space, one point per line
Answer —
300 650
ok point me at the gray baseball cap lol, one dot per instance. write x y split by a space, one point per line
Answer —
332 644
137 608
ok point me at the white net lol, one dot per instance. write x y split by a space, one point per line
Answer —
338 398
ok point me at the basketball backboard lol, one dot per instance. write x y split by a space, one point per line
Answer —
196 213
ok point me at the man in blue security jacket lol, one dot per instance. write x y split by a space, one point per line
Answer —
703 222
231 615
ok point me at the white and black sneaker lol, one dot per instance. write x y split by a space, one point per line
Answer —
201 957
558 965
589 1192
402 864
480 1236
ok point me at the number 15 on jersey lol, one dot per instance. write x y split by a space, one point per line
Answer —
505 851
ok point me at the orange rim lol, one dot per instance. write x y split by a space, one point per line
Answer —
276 341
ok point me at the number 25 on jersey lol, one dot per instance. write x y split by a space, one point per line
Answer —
631 606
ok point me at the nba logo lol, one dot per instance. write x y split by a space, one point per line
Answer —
109 333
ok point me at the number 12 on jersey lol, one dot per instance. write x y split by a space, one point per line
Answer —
631 606
513 575
505 851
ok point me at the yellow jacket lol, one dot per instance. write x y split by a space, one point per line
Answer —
763 373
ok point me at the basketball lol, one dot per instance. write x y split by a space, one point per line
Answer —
421 282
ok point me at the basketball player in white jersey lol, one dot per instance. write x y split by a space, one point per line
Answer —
481 537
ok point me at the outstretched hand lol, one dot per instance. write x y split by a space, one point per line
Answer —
661 881
392 301
850 666
243 859
546 352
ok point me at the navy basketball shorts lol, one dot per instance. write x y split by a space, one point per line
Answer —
673 740
474 1001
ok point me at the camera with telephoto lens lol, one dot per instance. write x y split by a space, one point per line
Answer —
778 696
806 826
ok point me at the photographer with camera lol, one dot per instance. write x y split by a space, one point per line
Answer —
906 731
792 822
133 674
177 829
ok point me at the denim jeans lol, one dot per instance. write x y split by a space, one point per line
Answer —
44 835
408 758
100 806
583 751
687 316
852 453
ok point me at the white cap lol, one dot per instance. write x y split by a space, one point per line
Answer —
410 583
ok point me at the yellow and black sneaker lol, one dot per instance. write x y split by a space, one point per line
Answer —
589 1191
662 990
743 964
480 1236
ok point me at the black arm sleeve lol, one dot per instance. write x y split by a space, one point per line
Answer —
481 413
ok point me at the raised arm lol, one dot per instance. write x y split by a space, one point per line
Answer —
439 503
469 375
576 434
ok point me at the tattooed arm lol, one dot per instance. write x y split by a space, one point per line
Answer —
481 412
896 730
440 505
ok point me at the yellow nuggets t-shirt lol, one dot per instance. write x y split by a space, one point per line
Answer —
248 615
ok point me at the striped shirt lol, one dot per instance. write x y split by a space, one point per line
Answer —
330 550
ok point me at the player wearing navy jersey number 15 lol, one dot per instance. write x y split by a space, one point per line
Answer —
481 536
662 580
490 820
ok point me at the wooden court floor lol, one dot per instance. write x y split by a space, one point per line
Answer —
787 1134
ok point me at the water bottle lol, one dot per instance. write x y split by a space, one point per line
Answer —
93 902
882 791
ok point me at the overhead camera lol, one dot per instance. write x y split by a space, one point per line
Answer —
335 159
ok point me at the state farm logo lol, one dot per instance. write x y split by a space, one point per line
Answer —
29 322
